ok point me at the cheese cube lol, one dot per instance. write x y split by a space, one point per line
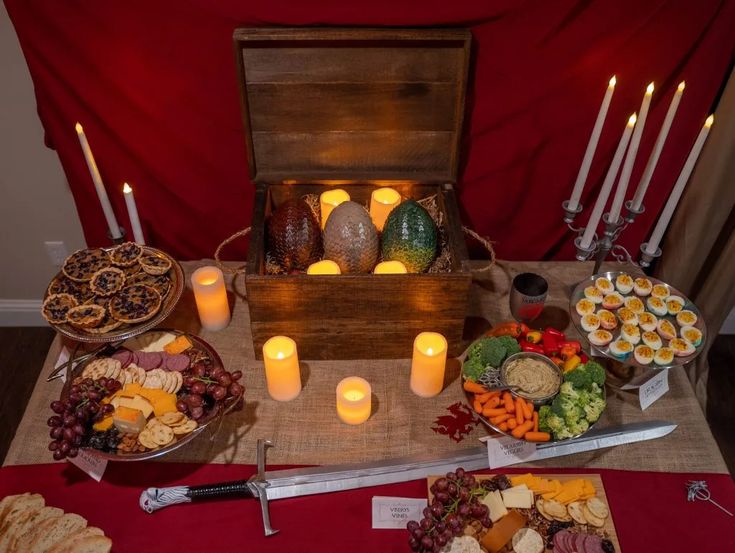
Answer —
494 502
128 420
521 499
137 402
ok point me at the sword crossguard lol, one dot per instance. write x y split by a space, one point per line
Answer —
260 483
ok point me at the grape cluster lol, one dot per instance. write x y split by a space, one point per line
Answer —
205 385
456 504
75 415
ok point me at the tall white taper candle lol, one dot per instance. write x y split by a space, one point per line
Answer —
589 230
653 160
619 197
133 214
591 146
101 192
668 212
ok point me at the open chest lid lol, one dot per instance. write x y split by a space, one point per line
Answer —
352 105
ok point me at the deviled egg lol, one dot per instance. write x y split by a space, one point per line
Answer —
624 283
666 329
590 322
608 320
585 307
652 340
686 317
593 294
660 291
600 337
681 347
675 304
621 349
657 306
642 286
612 301
664 356
643 354
630 333
647 321
691 335
635 304
627 316
604 285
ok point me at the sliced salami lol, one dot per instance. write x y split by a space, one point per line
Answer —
560 542
149 360
178 363
125 356
593 544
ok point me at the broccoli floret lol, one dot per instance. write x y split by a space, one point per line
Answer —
578 377
596 372
510 344
563 433
595 390
554 423
543 414
578 427
490 351
557 406
568 389
594 408
472 368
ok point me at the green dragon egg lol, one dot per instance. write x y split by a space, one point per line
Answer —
410 236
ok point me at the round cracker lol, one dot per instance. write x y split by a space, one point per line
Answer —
161 434
540 508
97 368
576 512
145 438
189 426
173 418
555 509
597 507
591 518
152 381
179 382
168 382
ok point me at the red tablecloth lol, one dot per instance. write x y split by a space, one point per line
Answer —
649 509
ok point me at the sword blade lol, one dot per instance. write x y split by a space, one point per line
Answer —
333 478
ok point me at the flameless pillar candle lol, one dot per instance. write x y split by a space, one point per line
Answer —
428 363
282 373
653 160
325 267
668 212
382 202
97 179
329 200
390 268
589 230
353 400
630 157
133 214
211 298
591 146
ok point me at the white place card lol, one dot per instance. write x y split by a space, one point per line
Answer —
505 450
653 389
395 512
92 465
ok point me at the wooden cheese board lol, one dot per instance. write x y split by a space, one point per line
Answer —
539 523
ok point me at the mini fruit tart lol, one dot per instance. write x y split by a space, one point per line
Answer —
88 315
135 304
126 254
107 324
106 282
161 283
154 264
131 270
82 264
56 307
63 285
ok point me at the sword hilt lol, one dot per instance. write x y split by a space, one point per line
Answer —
238 488
261 484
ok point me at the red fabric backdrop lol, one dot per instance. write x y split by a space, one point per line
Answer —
154 85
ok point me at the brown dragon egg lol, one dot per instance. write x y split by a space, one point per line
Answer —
294 235
351 239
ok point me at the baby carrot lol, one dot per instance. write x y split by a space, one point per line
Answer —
535 421
528 410
537 436
500 418
512 423
520 416
474 387
521 429
493 402
508 400
503 426
482 398
477 406
493 412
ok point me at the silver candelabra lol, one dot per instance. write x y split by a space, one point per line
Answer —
601 247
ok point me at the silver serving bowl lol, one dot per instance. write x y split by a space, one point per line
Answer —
537 401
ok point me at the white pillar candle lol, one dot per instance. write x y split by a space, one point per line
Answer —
354 402
653 160
382 202
428 364
390 268
97 179
668 212
630 157
210 295
329 200
591 146
133 214
589 230
282 374
324 267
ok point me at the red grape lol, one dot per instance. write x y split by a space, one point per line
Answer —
195 400
64 447
219 392
57 407
53 446
181 406
56 433
69 434
197 412
73 452
78 429
54 421
188 381
199 370
198 388
236 389
237 375
224 379
58 455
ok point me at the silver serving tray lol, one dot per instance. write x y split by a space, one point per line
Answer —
216 414
175 273
578 294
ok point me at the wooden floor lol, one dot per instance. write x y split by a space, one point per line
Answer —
23 350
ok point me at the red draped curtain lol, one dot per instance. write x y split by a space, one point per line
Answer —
155 87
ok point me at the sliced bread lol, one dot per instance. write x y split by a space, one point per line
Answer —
18 508
26 525
91 544
65 545
5 505
53 531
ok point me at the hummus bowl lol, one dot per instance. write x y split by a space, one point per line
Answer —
532 376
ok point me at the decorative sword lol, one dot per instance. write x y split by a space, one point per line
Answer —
281 484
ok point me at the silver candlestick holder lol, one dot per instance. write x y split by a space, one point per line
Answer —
117 241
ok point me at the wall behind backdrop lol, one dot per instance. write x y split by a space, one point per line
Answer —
154 85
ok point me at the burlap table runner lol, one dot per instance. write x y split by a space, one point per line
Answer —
307 430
